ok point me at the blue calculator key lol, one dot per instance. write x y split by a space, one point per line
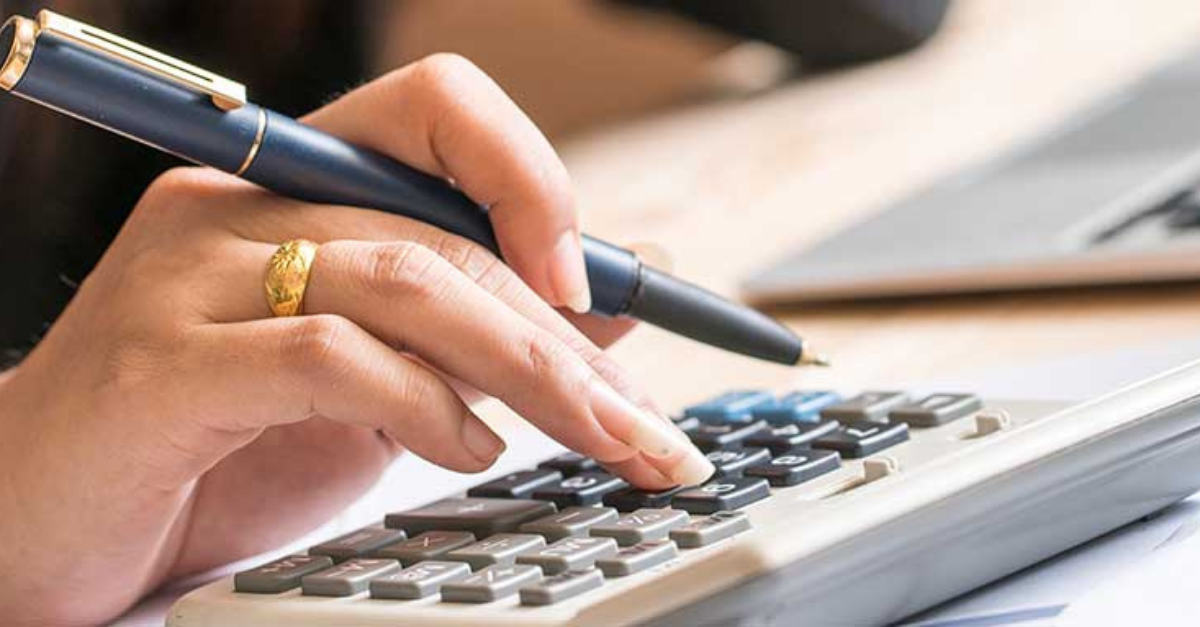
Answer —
730 406
796 407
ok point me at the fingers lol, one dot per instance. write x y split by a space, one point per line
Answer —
276 371
446 117
289 219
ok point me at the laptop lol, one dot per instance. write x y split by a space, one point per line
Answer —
1111 197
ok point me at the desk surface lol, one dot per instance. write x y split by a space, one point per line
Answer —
729 185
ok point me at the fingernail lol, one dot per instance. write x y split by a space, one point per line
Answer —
693 469
633 425
480 440
569 275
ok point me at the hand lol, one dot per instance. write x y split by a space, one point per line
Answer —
167 424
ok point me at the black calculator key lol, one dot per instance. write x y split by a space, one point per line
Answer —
688 424
357 543
570 463
796 466
724 493
586 488
710 437
866 406
281 575
788 436
936 410
631 498
481 516
731 462
519 485
861 438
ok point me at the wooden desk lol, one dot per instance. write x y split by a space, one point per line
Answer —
729 186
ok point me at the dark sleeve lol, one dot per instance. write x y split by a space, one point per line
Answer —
822 32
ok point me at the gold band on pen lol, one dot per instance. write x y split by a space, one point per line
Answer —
254 146
24 34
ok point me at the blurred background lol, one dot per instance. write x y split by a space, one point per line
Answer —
573 65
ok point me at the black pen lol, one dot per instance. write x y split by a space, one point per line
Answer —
131 90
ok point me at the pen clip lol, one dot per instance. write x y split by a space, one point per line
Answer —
225 94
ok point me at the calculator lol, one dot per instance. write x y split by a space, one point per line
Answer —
826 509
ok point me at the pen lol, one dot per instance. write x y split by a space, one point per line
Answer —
165 103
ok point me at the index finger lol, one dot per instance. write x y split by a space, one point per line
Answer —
444 116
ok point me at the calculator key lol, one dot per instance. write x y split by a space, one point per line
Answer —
281 575
636 558
688 424
561 586
861 438
803 407
348 578
501 549
570 464
709 529
519 485
480 516
796 466
710 437
572 522
587 488
731 462
357 543
632 498
427 546
643 525
570 554
937 409
779 438
418 581
491 584
865 406
730 406
724 493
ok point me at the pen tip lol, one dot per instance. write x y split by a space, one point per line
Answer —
814 359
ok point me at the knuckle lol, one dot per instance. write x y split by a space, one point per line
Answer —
471 259
417 391
546 359
407 269
312 346
444 71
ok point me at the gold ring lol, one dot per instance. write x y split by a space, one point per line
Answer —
287 276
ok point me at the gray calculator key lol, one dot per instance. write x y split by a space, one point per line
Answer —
936 409
642 525
561 587
570 554
636 558
707 530
866 406
501 549
481 516
348 578
427 546
357 543
419 581
281 575
491 584
572 522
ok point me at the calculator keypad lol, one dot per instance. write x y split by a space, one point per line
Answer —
560 530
